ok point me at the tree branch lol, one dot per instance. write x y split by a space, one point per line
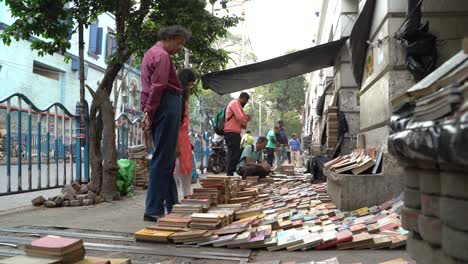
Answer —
91 91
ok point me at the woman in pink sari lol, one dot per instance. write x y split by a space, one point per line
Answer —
184 164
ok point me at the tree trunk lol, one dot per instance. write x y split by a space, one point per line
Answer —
104 166
110 166
95 137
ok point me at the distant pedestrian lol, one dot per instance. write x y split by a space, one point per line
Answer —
236 120
247 139
282 149
161 103
272 144
184 163
296 151
251 161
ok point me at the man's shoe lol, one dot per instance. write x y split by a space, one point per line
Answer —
151 218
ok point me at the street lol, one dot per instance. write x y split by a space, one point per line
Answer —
18 200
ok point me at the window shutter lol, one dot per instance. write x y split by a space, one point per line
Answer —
99 41
93 38
114 46
75 66
85 71
107 46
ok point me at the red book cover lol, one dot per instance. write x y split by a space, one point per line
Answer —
55 243
341 237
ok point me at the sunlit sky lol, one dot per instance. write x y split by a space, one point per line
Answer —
277 26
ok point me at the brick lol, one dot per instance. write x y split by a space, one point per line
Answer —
76 202
454 184
422 252
430 205
429 181
38 201
50 204
412 178
430 229
454 243
454 213
88 202
412 198
409 219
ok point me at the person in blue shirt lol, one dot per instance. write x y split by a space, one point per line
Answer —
296 151
282 139
251 161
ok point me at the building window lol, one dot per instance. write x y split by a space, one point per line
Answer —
95 40
135 90
111 43
46 71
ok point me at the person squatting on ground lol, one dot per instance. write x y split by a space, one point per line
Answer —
161 103
272 144
296 151
184 163
251 161
236 120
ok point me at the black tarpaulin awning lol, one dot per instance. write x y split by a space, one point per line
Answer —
277 69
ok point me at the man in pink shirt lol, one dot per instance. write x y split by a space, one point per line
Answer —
236 120
161 103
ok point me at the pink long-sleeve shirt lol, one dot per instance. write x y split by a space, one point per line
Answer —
157 76
236 119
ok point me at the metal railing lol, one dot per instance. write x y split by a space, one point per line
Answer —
43 149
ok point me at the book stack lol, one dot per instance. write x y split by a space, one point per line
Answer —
284 215
195 203
150 235
138 155
175 220
438 104
227 186
332 129
287 169
211 194
358 162
191 237
208 221
66 250
187 209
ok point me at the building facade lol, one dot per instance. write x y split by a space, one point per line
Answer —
368 108
50 79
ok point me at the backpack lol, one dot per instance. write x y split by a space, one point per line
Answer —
219 121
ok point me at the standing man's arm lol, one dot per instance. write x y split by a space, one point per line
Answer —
159 83
239 114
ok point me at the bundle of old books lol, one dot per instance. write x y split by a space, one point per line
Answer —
60 249
189 206
212 194
138 155
452 71
332 129
438 104
360 161
208 221
286 169
172 221
192 237
227 186
290 215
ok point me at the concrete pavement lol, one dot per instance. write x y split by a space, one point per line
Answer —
127 216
